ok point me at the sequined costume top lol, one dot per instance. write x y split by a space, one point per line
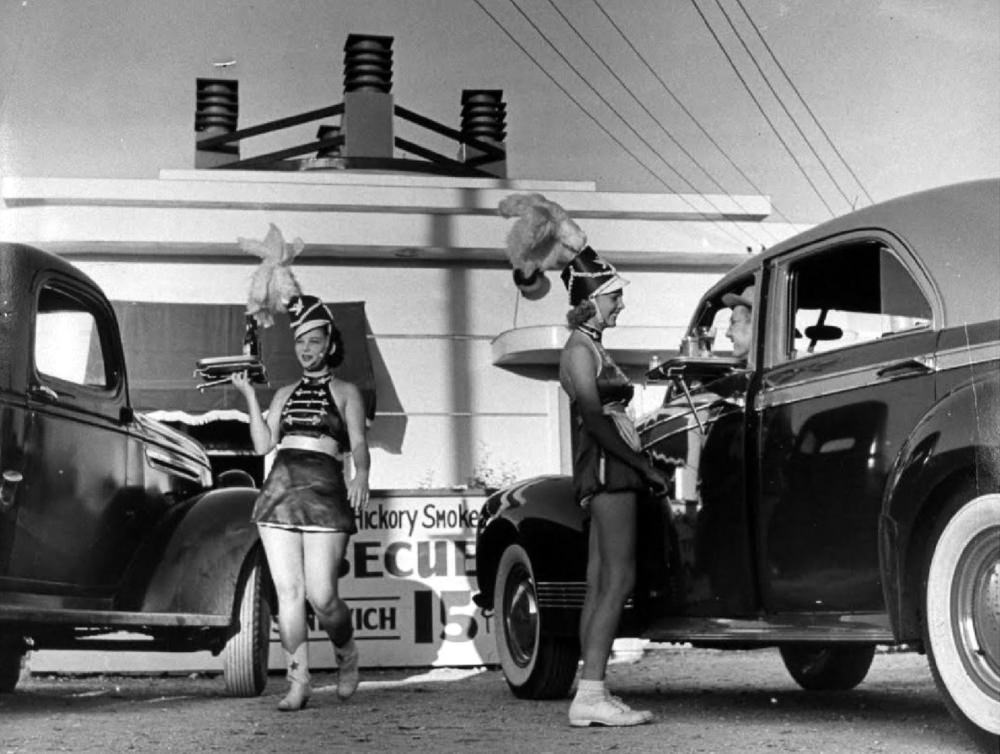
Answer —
311 411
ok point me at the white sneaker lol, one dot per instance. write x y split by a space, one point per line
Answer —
619 702
608 710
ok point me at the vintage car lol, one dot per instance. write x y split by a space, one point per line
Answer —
837 490
109 523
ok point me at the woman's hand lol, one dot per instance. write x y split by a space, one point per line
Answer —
658 482
357 491
241 381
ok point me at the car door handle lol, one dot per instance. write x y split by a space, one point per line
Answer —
44 391
914 367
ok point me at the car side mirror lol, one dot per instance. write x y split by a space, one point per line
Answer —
126 415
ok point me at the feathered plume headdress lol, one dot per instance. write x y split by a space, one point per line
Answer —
544 237
273 283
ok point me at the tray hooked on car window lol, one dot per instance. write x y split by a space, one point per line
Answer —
684 371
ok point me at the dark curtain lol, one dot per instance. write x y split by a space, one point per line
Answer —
163 342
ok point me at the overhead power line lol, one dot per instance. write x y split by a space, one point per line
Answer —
760 107
586 112
684 108
781 102
804 103
656 120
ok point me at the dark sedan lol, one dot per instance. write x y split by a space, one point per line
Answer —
836 489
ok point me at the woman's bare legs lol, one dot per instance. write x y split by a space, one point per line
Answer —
324 552
610 579
285 560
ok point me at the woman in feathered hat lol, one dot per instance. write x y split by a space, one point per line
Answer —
305 510
609 470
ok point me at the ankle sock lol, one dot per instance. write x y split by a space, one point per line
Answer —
590 689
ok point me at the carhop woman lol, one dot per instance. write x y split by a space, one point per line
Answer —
609 470
306 510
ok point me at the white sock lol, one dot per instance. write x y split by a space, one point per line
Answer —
587 688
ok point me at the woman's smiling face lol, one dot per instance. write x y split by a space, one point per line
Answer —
311 348
609 306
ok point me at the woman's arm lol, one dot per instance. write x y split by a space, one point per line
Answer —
353 409
263 434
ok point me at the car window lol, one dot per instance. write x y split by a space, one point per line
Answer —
67 340
851 294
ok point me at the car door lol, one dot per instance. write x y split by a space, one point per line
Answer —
699 439
848 372
76 517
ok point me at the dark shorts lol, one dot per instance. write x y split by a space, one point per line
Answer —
305 489
595 471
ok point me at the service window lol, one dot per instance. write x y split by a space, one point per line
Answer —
850 294
68 343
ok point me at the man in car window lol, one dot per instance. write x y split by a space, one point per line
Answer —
740 331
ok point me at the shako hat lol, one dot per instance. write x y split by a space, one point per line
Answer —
587 275
307 313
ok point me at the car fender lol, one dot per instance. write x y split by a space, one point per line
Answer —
199 562
955 442
540 514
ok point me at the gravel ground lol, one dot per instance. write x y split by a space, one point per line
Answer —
704 701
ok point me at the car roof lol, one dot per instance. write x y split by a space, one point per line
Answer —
954 232
29 260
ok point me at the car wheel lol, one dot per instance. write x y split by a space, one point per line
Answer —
827 668
245 656
962 609
536 665
11 665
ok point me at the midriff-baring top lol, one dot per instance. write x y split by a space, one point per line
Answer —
310 411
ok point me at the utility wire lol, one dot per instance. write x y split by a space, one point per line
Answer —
687 112
657 121
572 98
607 104
803 101
760 107
781 102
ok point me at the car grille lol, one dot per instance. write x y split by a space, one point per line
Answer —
560 593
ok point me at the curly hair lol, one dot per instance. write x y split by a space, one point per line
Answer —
581 313
336 358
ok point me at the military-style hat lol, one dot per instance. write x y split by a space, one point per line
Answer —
587 275
307 313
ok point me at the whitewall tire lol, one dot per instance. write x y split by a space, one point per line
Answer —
962 604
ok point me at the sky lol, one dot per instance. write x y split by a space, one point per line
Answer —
908 91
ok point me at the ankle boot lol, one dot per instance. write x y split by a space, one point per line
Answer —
298 679
347 669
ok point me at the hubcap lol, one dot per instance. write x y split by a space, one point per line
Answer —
976 601
521 619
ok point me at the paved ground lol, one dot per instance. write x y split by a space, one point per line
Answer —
705 701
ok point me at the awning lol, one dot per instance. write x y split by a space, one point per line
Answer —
163 341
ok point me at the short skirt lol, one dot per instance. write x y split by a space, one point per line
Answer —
596 471
306 490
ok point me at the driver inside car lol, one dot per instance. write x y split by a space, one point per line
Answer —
740 330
